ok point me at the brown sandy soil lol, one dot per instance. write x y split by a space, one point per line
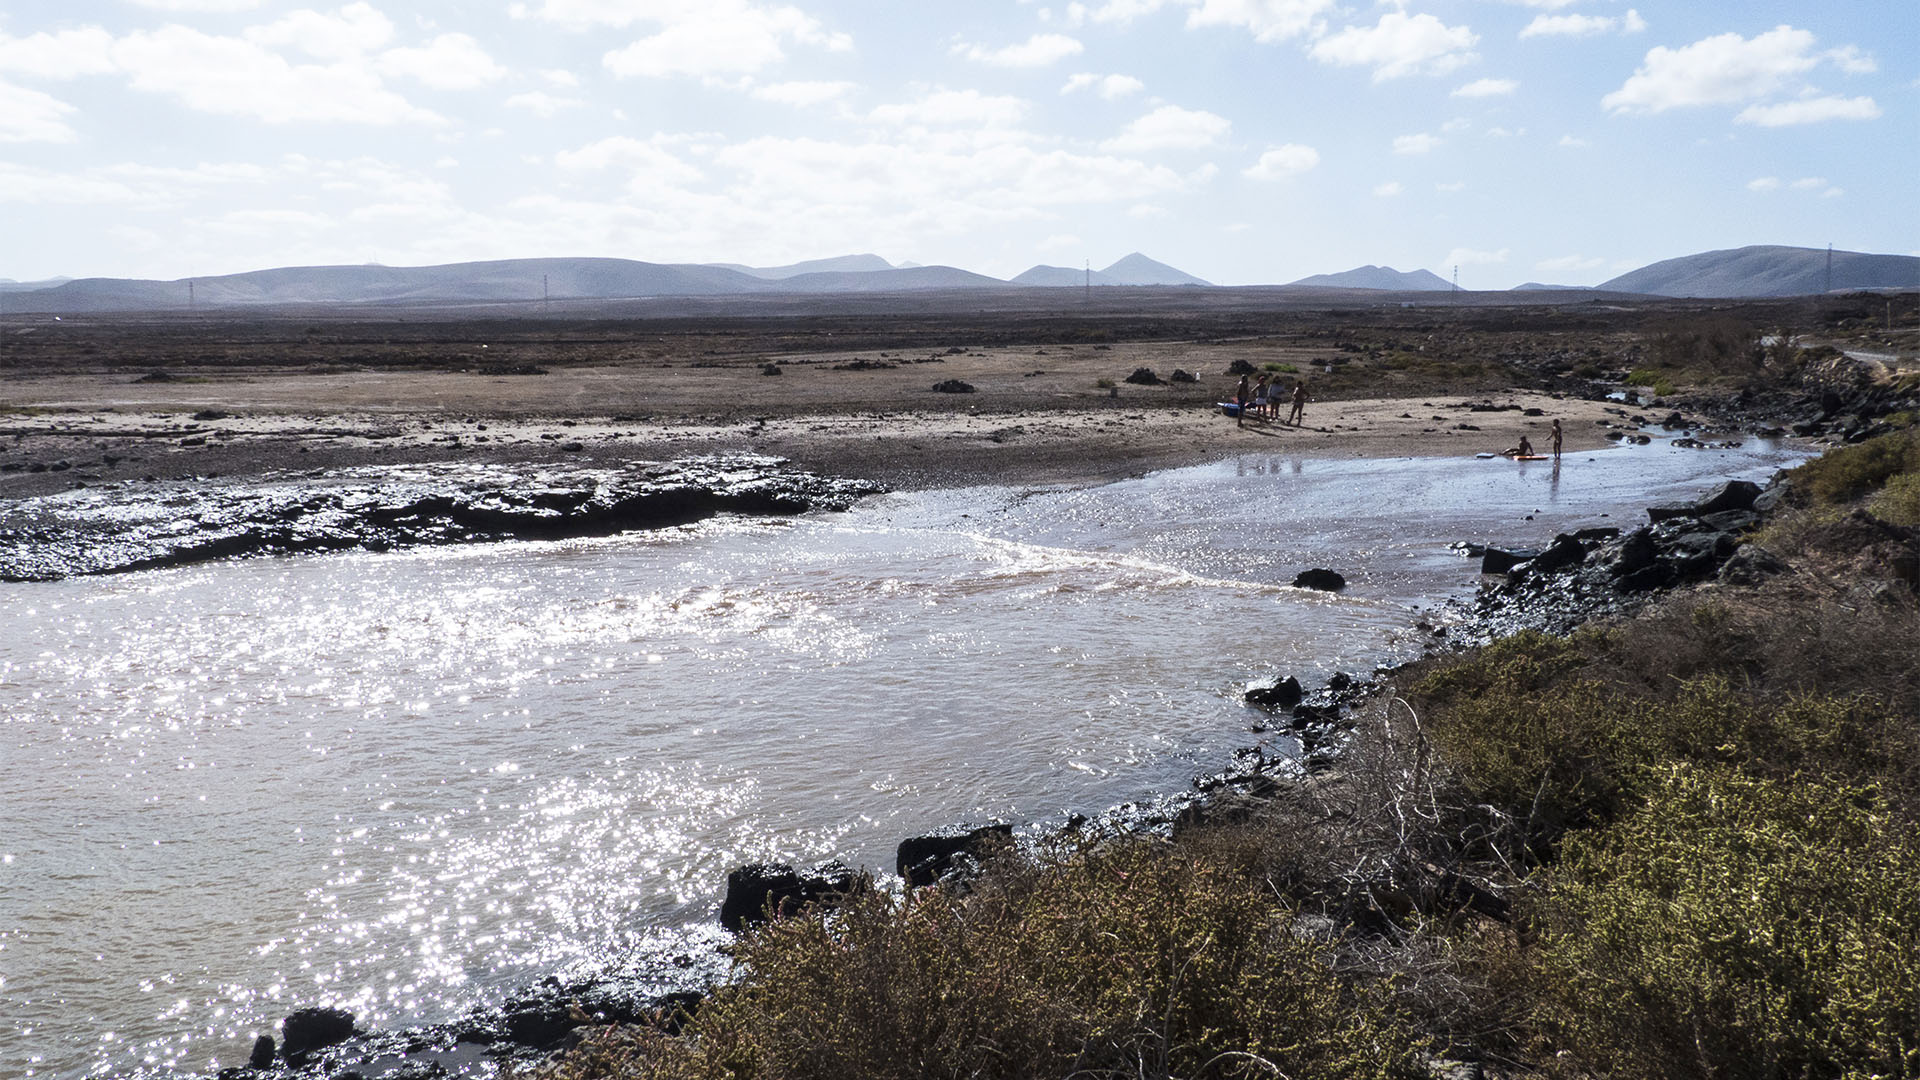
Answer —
885 425
106 400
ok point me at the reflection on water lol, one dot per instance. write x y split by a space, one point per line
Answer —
404 782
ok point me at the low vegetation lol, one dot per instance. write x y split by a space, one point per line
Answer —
1683 846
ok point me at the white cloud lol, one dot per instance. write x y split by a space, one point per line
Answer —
1112 11
1573 141
649 164
1809 111
968 109
1268 20
142 186
36 187
696 37
1850 59
1387 190
1169 127
1415 144
1764 183
1809 183
31 116
1583 25
560 77
1061 242
352 31
1461 256
448 62
1146 211
63 55
1040 50
1400 45
1550 5
803 93
540 103
1283 161
1725 69
235 77
1450 187
1570 262
212 7
1479 88
1110 87
1505 133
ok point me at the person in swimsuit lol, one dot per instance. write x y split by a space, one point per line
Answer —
1298 415
1241 396
1556 439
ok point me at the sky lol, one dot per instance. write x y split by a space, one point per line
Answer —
1243 141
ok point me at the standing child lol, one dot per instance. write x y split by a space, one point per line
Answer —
1298 415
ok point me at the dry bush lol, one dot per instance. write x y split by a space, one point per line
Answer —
1135 959
1736 927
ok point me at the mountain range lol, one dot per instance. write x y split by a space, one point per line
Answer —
1743 272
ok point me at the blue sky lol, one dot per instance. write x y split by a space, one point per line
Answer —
1245 141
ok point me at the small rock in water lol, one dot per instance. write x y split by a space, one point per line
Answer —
262 1056
314 1029
1284 694
1321 579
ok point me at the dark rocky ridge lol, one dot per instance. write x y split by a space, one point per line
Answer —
142 527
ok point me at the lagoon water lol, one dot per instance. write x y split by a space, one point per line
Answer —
405 783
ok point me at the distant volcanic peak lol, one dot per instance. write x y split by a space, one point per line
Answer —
838 264
1063 277
1769 270
1137 269
1379 277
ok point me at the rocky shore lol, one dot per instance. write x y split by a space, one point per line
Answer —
1578 577
385 508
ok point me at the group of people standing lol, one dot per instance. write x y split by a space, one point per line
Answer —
1262 398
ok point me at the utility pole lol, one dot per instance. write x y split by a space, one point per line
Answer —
1829 267
1456 283
1088 295
545 297
189 294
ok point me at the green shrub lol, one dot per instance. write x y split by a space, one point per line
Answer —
1548 733
1899 501
1129 961
1283 369
1717 344
1660 384
1737 927
1845 473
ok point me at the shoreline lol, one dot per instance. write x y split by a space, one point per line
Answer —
62 444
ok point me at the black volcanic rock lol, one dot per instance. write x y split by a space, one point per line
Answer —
921 860
1321 579
314 1029
100 531
761 889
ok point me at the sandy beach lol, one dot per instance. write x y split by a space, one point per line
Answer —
60 431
